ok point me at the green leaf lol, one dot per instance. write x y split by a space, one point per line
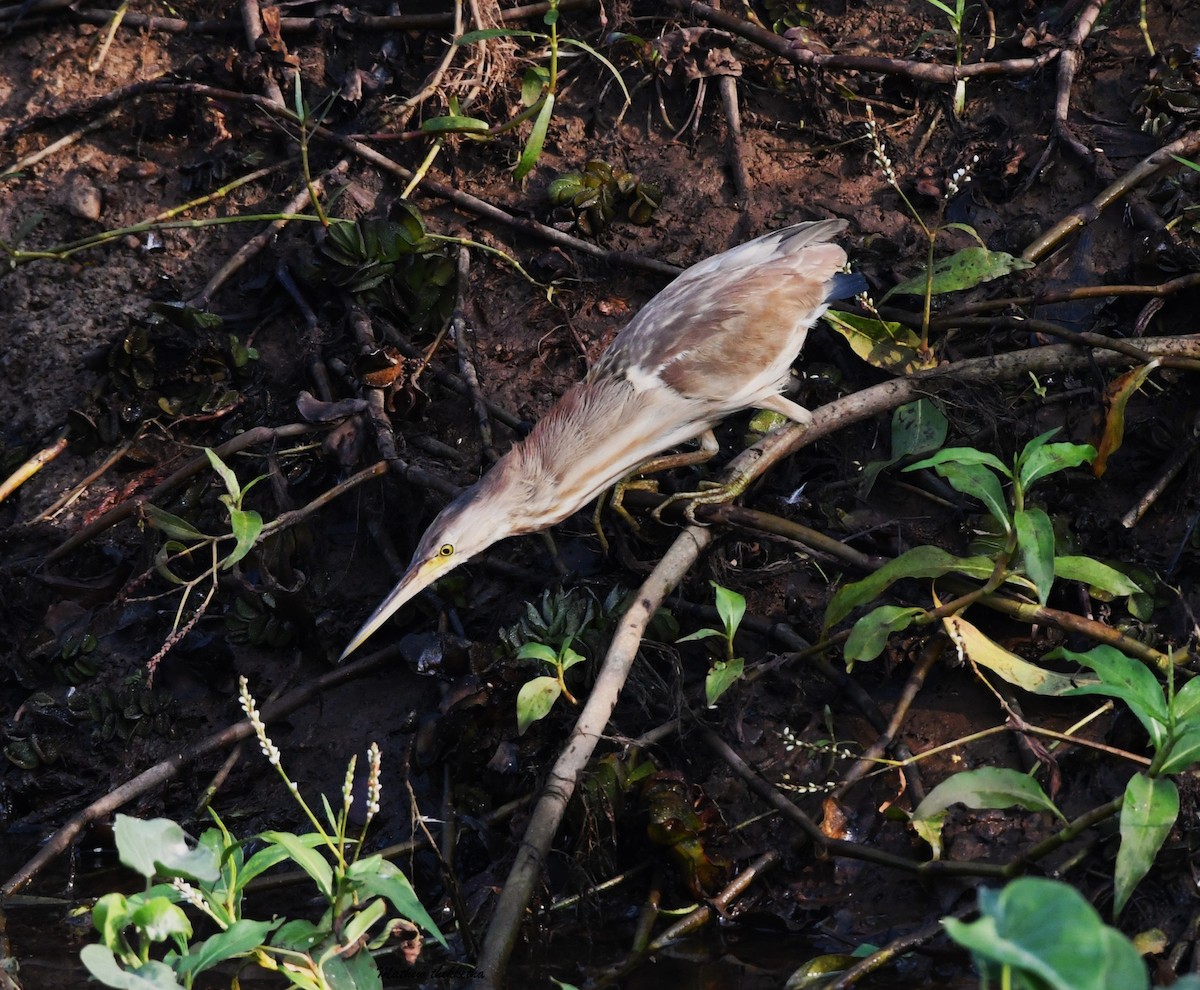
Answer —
978 482
239 939
890 346
1095 575
538 651
382 878
363 920
247 524
534 83
103 965
160 919
569 658
1129 680
973 645
455 124
869 635
701 634
1051 937
1035 537
300 852
987 787
160 846
1052 458
1182 750
534 701
722 676
918 427
227 475
537 138
919 562
172 525
1147 816
962 455
730 607
962 270
349 972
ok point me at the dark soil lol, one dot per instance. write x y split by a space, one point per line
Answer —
108 348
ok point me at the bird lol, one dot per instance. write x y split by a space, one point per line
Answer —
719 339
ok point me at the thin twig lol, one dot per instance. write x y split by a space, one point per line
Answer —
466 366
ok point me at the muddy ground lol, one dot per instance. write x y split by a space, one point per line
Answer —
109 348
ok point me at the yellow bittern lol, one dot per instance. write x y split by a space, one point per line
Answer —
719 339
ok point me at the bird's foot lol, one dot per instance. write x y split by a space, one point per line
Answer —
616 502
711 493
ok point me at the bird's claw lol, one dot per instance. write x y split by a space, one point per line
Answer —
711 493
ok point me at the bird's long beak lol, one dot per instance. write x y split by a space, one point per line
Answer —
420 575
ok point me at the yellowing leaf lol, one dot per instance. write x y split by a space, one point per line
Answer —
889 346
1116 397
973 645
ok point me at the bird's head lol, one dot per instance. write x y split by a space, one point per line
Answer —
496 507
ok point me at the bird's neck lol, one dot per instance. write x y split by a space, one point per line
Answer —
594 436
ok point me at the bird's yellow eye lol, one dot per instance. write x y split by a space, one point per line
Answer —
447 550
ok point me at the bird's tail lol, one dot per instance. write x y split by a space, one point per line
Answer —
845 286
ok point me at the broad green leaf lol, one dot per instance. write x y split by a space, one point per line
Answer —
1052 458
975 646
1127 679
160 919
1095 575
160 846
962 455
723 675
1182 751
1032 446
1147 816
1116 398
1035 537
310 861
110 914
1050 937
537 138
535 82
447 125
917 427
363 920
103 965
1185 706
890 346
570 658
730 607
869 635
701 634
978 482
538 651
962 270
987 787
247 524
260 862
170 524
226 473
348 972
919 562
239 939
534 701
382 878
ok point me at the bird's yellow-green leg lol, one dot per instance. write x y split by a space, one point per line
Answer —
718 494
707 451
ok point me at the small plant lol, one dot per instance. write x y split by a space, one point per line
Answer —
538 91
211 877
538 695
590 198
955 16
1027 557
890 345
725 672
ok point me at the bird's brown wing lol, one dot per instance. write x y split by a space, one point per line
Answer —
716 326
